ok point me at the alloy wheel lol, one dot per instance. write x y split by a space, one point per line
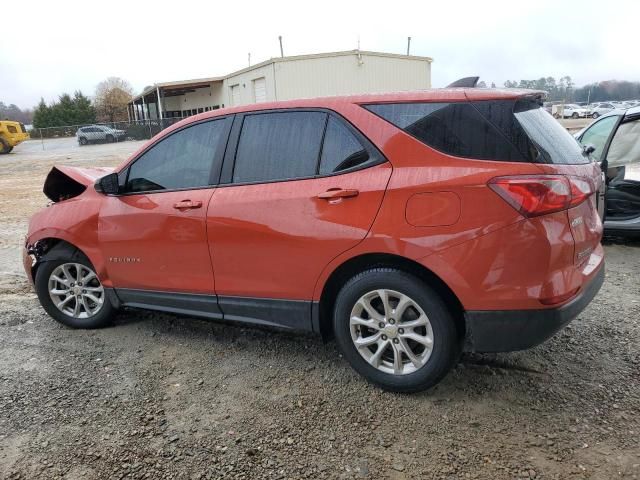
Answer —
391 332
75 290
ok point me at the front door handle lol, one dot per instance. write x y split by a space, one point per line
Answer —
335 193
187 205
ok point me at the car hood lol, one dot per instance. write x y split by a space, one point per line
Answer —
64 182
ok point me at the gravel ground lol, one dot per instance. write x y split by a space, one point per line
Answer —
158 396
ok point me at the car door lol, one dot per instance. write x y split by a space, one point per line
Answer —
153 234
301 188
622 160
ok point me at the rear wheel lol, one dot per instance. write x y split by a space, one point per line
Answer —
575 115
395 330
110 139
70 291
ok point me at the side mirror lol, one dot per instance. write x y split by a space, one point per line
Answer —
588 149
109 184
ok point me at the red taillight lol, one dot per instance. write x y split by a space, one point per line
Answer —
534 195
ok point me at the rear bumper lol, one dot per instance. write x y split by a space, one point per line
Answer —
511 330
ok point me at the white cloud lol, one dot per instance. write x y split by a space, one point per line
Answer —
72 45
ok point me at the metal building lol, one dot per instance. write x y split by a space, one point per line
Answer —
284 78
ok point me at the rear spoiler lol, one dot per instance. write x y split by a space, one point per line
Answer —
466 82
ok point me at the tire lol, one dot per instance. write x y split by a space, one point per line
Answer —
110 139
575 115
82 141
10 150
72 262
4 146
440 330
595 115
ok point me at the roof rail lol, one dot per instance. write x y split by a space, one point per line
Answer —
466 82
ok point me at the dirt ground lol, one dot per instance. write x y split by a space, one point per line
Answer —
158 396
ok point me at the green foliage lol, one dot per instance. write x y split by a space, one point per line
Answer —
609 90
68 110
563 89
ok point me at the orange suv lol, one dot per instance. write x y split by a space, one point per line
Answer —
409 226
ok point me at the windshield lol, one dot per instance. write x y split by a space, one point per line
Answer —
554 143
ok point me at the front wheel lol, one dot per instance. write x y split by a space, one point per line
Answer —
82 141
575 115
4 146
595 115
395 330
70 291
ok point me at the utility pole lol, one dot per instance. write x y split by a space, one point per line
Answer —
408 45
280 40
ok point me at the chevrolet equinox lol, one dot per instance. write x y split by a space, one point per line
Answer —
409 227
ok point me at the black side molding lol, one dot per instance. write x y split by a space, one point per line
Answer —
271 312
466 82
205 306
512 330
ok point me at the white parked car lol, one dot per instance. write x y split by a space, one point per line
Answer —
570 110
599 109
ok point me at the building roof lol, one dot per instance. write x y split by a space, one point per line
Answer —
204 82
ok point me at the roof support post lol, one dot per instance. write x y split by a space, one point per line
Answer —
143 107
159 104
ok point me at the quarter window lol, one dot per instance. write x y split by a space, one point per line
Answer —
182 160
278 146
341 149
454 128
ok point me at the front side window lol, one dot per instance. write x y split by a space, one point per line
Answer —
341 149
598 134
182 160
278 146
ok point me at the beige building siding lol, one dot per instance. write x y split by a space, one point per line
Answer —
349 74
244 80
304 76
201 97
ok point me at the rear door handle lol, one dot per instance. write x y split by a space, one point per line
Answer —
334 193
187 204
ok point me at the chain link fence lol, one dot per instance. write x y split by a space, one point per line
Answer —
97 133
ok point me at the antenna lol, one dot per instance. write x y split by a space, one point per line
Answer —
249 58
408 45
358 41
280 40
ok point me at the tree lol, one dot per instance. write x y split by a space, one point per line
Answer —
13 112
111 99
68 110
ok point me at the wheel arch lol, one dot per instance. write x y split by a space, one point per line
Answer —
323 309
53 248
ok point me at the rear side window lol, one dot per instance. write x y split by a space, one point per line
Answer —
278 146
457 129
182 160
341 149
485 130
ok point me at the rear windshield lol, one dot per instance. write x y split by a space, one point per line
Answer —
503 130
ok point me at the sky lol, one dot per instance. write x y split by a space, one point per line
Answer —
67 45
